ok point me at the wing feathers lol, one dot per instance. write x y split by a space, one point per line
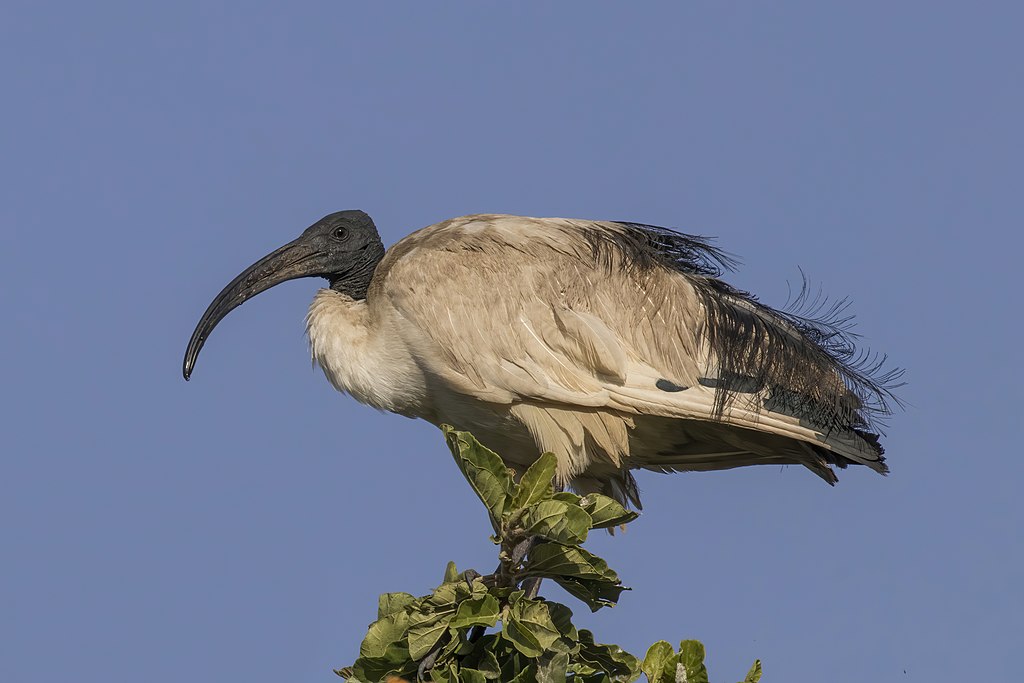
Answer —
575 323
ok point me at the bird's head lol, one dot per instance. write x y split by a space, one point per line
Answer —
343 247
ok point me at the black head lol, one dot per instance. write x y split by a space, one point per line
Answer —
343 247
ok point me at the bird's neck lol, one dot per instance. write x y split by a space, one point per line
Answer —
359 355
355 282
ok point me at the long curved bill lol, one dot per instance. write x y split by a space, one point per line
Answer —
294 260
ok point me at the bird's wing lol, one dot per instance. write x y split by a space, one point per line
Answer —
588 316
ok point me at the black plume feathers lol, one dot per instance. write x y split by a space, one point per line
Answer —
803 359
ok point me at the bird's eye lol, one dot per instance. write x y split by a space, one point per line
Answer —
340 233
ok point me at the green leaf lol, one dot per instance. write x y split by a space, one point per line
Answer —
515 596
583 673
592 677
691 658
501 592
561 617
595 593
567 497
394 662
424 632
555 560
537 616
579 572
482 611
389 603
552 667
537 483
483 657
606 512
658 655
483 469
619 665
383 633
445 673
529 627
522 639
445 596
537 642
454 643
471 676
557 521
528 674
510 660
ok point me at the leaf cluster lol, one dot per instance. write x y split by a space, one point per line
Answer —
662 664
476 628
539 528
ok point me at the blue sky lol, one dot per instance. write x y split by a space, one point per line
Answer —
240 527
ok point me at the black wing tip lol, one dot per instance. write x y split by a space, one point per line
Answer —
873 440
828 324
832 459
825 323
694 254
740 323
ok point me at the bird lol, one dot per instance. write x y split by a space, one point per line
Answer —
617 346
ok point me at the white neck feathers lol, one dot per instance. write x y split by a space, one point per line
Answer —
360 356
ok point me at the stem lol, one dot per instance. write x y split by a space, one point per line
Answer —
532 587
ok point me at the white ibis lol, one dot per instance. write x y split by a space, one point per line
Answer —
613 345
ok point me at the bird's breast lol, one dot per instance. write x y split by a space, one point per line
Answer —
362 356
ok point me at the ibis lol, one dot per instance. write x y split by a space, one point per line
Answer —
614 345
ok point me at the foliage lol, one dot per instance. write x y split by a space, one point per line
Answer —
444 637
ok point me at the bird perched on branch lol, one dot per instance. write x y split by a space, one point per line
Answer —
614 345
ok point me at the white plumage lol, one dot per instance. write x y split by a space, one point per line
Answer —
613 345
518 330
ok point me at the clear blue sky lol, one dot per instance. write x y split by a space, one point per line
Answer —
240 527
